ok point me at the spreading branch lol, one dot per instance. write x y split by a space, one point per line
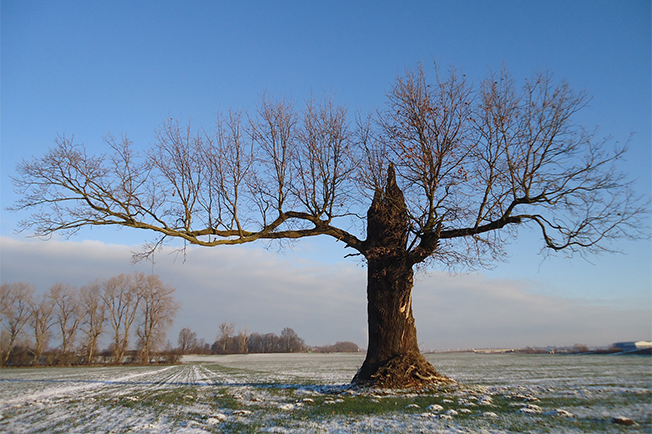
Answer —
473 164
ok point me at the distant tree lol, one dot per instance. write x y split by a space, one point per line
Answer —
224 337
237 344
157 311
15 299
121 296
203 347
41 319
272 343
338 347
287 342
242 342
346 347
580 348
169 355
67 315
255 343
94 315
227 342
187 340
447 171
291 342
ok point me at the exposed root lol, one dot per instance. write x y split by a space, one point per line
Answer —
401 372
423 378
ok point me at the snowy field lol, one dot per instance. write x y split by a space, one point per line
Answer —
309 393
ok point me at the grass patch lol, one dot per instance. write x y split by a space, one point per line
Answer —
370 405
237 427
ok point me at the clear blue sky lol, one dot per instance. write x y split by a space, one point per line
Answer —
89 68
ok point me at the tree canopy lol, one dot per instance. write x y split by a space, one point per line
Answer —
473 163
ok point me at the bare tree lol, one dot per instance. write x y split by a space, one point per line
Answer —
287 342
224 337
42 312
15 299
187 340
447 171
94 315
67 315
243 341
203 347
157 310
121 296
291 342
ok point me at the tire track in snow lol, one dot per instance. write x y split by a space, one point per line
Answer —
81 400
93 385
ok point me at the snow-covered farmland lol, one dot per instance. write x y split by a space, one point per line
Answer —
309 393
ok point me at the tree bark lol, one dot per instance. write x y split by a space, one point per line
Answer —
393 357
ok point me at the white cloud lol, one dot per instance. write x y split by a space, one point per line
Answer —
326 301
475 311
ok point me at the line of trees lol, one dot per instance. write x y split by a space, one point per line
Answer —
575 349
338 347
287 342
122 307
228 342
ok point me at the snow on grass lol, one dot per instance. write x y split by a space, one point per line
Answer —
309 393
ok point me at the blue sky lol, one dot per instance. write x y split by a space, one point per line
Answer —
89 68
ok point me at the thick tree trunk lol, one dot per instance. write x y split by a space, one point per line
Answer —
393 356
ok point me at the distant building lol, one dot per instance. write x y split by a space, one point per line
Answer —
633 346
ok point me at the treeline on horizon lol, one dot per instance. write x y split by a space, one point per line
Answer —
66 325
123 307
574 349
228 342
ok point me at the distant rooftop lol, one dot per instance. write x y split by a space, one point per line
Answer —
631 346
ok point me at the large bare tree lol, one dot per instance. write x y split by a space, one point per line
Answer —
447 171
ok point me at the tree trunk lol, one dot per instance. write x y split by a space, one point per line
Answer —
6 355
393 356
91 352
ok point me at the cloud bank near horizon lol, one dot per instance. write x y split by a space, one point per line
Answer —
326 302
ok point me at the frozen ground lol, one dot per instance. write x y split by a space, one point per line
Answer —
306 393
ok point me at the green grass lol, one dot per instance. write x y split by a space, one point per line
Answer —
263 400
